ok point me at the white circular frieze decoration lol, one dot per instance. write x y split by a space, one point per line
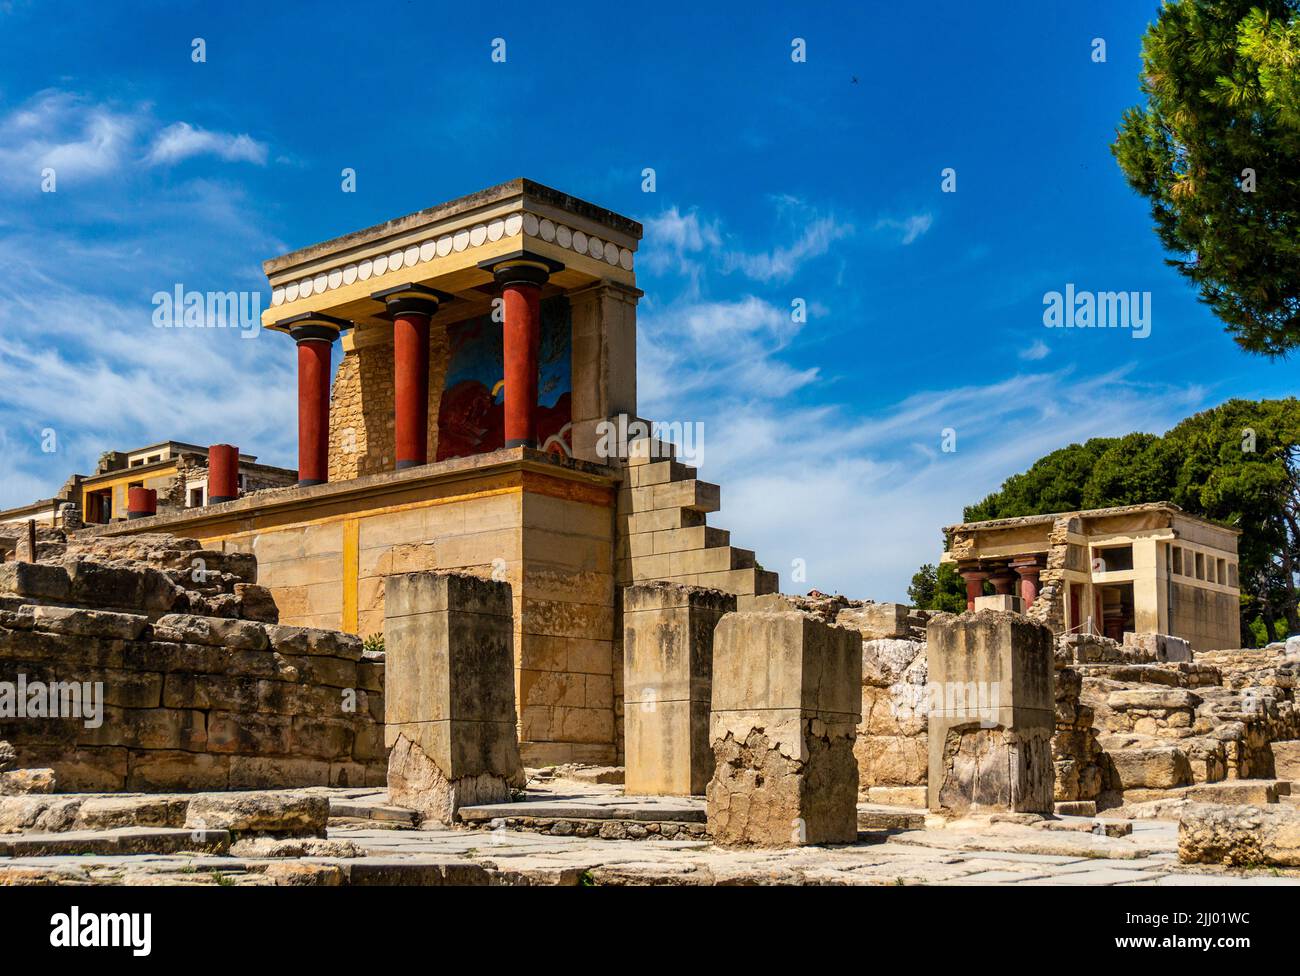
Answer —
611 252
291 292
625 259
477 235
411 256
320 283
546 230
596 247
563 236
530 224
427 250
277 295
444 245
336 277
461 240
304 288
380 267
513 224
365 269
579 241
349 274
495 229
395 261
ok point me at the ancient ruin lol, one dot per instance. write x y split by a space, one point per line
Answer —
488 605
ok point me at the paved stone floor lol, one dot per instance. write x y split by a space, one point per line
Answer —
974 852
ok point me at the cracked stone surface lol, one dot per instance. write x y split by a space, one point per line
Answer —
972 851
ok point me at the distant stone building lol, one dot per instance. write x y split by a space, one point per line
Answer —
177 471
1139 569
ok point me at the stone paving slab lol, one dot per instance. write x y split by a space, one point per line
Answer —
963 853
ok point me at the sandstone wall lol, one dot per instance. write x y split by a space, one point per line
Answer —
195 693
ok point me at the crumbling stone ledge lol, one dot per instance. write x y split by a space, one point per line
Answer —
602 828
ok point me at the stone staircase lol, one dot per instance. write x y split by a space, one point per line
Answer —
663 532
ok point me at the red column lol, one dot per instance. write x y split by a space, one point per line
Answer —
521 276
141 502
1028 583
315 334
974 586
411 306
1002 581
223 473
521 343
411 388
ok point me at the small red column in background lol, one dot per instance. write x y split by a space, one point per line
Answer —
411 307
315 334
1002 581
974 585
223 473
1028 572
141 502
521 276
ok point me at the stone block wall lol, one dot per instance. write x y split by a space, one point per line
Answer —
149 685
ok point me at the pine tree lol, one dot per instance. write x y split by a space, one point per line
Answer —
1216 151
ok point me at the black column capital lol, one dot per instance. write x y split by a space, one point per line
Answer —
521 267
411 299
309 326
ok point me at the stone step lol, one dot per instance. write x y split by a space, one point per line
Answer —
1076 808
872 817
658 473
660 521
380 812
1252 792
696 495
126 840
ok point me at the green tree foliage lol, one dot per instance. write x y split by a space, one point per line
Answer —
1237 464
1216 152
938 588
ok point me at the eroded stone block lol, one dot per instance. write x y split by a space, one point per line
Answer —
786 705
991 713
450 695
668 679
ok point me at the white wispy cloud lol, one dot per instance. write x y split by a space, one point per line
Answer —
909 228
1037 350
781 263
64 132
81 139
180 141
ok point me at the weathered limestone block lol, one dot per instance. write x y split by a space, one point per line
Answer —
214 631
668 681
271 813
1286 759
1158 647
450 695
786 705
37 580
20 782
992 713
1239 835
1162 767
877 621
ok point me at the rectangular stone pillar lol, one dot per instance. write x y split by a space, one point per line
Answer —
668 681
449 692
786 706
991 713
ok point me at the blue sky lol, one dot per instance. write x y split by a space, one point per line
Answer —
776 180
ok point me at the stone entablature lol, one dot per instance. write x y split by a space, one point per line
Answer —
340 275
